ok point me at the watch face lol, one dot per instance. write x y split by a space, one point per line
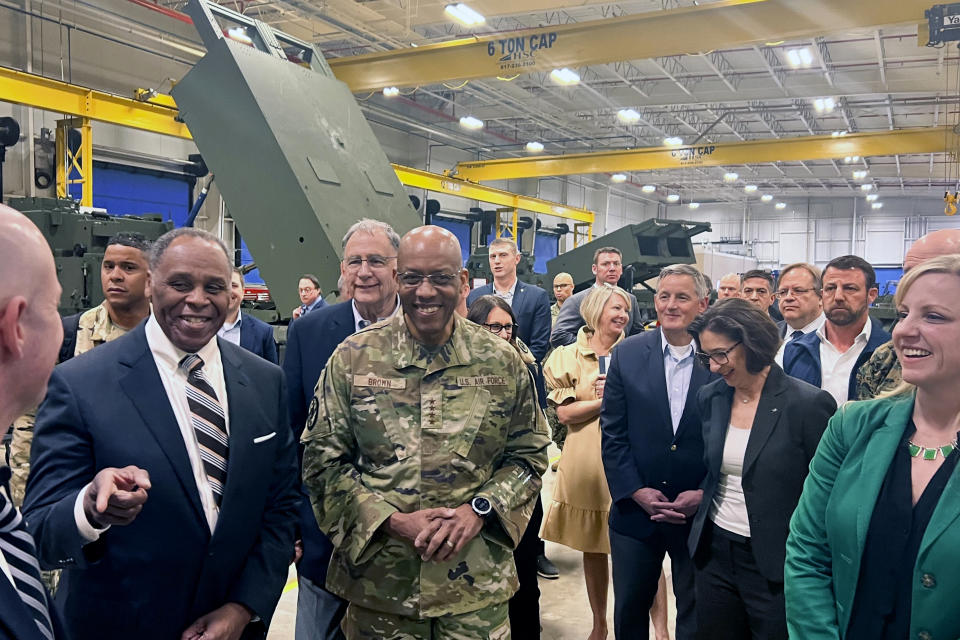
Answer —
481 505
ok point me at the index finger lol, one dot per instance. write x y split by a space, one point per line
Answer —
105 491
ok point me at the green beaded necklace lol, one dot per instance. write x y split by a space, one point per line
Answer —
916 451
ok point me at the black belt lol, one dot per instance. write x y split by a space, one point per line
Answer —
730 535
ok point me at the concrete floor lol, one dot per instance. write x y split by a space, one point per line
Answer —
564 609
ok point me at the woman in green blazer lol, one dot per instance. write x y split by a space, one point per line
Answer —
874 545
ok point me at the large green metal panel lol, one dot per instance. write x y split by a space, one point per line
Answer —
294 158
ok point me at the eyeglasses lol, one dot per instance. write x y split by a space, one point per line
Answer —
720 357
496 327
410 279
306 289
796 292
353 263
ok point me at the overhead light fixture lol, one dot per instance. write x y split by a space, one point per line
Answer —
534 146
389 92
672 141
872 197
851 159
750 188
766 197
694 205
464 14
799 57
628 116
239 34
618 178
866 187
730 176
565 76
824 105
469 122
648 188
781 205
673 197
876 205
860 175
838 134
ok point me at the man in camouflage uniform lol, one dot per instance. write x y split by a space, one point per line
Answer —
881 373
424 451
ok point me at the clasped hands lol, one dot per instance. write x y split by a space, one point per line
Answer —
663 510
437 534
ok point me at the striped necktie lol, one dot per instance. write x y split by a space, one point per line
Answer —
209 423
20 553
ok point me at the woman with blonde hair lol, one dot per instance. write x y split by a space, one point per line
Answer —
575 374
873 546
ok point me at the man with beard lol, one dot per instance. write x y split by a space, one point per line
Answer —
831 356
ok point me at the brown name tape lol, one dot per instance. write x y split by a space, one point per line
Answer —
370 380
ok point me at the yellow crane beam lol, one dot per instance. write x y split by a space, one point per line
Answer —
60 97
879 143
463 189
690 30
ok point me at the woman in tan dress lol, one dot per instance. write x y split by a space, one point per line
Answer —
577 516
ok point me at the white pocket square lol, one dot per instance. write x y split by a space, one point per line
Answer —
264 438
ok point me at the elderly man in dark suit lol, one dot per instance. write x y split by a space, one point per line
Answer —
653 455
369 269
30 335
164 477
253 334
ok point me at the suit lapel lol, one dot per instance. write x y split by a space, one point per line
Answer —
698 377
769 410
143 386
246 337
14 614
658 379
719 423
877 456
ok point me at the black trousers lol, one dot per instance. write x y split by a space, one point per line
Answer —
734 600
525 603
636 571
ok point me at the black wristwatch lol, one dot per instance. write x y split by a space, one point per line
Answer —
481 506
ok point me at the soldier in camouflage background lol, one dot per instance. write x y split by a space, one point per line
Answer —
881 373
419 425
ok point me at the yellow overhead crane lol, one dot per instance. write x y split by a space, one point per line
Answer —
690 30
158 114
824 147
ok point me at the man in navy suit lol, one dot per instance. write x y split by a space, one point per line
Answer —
164 479
831 356
253 334
369 269
30 336
653 455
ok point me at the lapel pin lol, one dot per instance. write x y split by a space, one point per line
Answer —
774 410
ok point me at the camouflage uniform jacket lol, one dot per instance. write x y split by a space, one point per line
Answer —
95 328
880 374
393 427
554 312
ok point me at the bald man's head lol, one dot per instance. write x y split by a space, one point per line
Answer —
932 245
430 274
30 328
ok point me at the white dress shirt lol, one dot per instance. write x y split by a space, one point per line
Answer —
358 319
813 326
231 331
677 369
836 366
167 357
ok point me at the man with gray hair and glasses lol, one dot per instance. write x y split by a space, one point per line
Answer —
798 295
369 271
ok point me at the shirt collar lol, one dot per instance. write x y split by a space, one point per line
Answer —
665 347
814 325
227 326
168 354
357 318
863 336
512 290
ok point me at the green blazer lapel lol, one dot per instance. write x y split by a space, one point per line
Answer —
877 456
945 513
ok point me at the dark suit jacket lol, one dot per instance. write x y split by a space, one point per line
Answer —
256 336
639 446
16 621
310 342
531 307
154 577
791 417
801 357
